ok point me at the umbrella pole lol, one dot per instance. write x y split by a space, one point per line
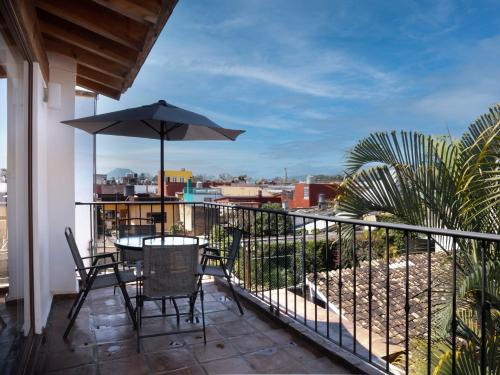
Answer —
162 184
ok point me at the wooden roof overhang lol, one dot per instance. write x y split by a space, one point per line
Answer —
109 39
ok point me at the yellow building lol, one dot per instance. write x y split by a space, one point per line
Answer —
181 175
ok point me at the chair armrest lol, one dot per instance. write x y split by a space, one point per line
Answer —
208 249
215 257
104 255
101 266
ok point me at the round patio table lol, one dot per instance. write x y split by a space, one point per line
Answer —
135 242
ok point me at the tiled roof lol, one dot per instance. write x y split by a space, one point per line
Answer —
440 275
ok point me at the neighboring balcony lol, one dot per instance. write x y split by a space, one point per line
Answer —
321 295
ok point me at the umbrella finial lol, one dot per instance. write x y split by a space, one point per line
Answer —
162 102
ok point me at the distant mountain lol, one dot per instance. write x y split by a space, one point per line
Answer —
119 172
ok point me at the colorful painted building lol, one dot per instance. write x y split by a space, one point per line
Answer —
174 181
308 194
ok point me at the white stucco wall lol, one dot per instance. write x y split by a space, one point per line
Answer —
53 188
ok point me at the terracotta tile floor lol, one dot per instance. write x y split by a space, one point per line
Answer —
103 341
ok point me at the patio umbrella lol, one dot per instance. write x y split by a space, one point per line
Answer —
161 121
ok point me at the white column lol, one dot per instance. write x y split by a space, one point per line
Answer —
60 175
53 185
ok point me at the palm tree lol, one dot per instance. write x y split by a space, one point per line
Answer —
421 180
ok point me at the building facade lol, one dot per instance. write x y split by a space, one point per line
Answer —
307 195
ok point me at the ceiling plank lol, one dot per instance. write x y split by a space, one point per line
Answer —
145 11
99 77
85 57
96 87
98 19
26 14
167 8
80 37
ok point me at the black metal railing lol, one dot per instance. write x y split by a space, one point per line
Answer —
395 295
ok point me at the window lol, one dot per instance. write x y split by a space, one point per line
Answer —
174 179
182 179
306 192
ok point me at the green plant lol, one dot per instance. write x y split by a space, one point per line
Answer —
272 223
421 180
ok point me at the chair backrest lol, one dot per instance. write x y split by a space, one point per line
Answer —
170 270
135 227
233 250
75 253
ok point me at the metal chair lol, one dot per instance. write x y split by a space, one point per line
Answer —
130 228
221 266
91 279
169 271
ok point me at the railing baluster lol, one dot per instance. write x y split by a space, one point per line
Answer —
269 258
407 302
91 237
285 217
429 303
262 254
315 266
294 269
256 250
387 294
244 246
327 271
277 265
340 281
483 308
304 285
354 345
369 294
454 308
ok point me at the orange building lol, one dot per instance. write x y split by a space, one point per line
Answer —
307 194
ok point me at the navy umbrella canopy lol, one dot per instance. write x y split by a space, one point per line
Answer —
160 121
147 122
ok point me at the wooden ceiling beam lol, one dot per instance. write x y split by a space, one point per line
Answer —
80 37
99 77
98 19
144 11
167 7
85 57
98 88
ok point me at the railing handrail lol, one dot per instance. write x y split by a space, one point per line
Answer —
338 219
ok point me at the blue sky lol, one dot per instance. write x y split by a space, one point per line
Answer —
307 79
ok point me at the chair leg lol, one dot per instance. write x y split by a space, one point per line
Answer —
138 320
163 305
128 304
176 311
75 302
80 304
198 287
228 278
203 316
